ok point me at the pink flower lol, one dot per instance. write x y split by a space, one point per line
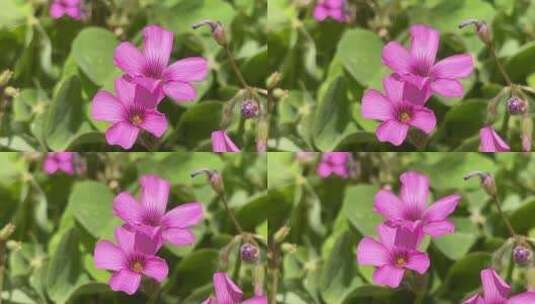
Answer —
71 8
401 108
491 141
221 142
411 209
334 9
417 64
334 163
132 110
226 291
150 67
394 253
496 291
59 161
132 257
256 300
150 217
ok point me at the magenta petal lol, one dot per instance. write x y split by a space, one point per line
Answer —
108 256
123 134
50 165
221 142
324 170
185 215
155 268
227 292
423 119
154 193
157 46
392 131
457 66
178 236
418 261
127 208
396 57
442 208
407 238
424 45
187 69
210 300
256 300
56 11
394 89
414 95
155 123
447 87
125 281
475 299
74 12
376 106
180 91
320 12
389 205
129 59
125 239
491 141
371 252
414 189
125 90
440 228
495 289
388 275
106 107
145 99
387 235
524 298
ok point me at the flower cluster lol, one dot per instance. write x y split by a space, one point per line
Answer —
70 8
497 291
407 220
337 163
416 77
227 292
147 226
333 9
147 79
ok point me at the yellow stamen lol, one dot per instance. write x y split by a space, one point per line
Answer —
137 267
404 117
136 120
400 261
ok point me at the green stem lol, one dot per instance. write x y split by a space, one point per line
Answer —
231 214
497 202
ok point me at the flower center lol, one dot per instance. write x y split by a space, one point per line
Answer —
400 261
404 116
137 267
137 263
136 119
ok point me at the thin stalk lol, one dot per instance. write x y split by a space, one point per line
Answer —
236 69
500 67
2 268
231 215
274 286
505 219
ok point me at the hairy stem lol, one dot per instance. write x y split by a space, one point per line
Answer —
236 69
231 214
497 202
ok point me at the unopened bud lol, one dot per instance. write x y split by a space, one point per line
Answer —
482 29
273 80
13 245
215 179
249 253
218 31
522 255
527 133
6 232
5 77
249 108
516 106
11 92
487 182
288 248
281 234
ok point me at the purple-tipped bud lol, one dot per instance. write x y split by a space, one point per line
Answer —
482 29
249 253
516 106
249 109
214 178
522 255
487 182
218 31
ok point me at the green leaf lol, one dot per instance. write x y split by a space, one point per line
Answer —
360 52
464 275
522 64
522 218
456 245
14 12
333 116
196 269
91 204
358 208
199 121
65 269
93 51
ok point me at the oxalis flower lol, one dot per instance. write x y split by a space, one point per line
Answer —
227 292
132 110
336 163
496 291
70 8
491 141
59 161
334 9
150 217
401 108
395 252
417 66
132 257
221 142
150 69
410 209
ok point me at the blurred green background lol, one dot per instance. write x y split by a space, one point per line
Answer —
328 217
60 64
59 218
